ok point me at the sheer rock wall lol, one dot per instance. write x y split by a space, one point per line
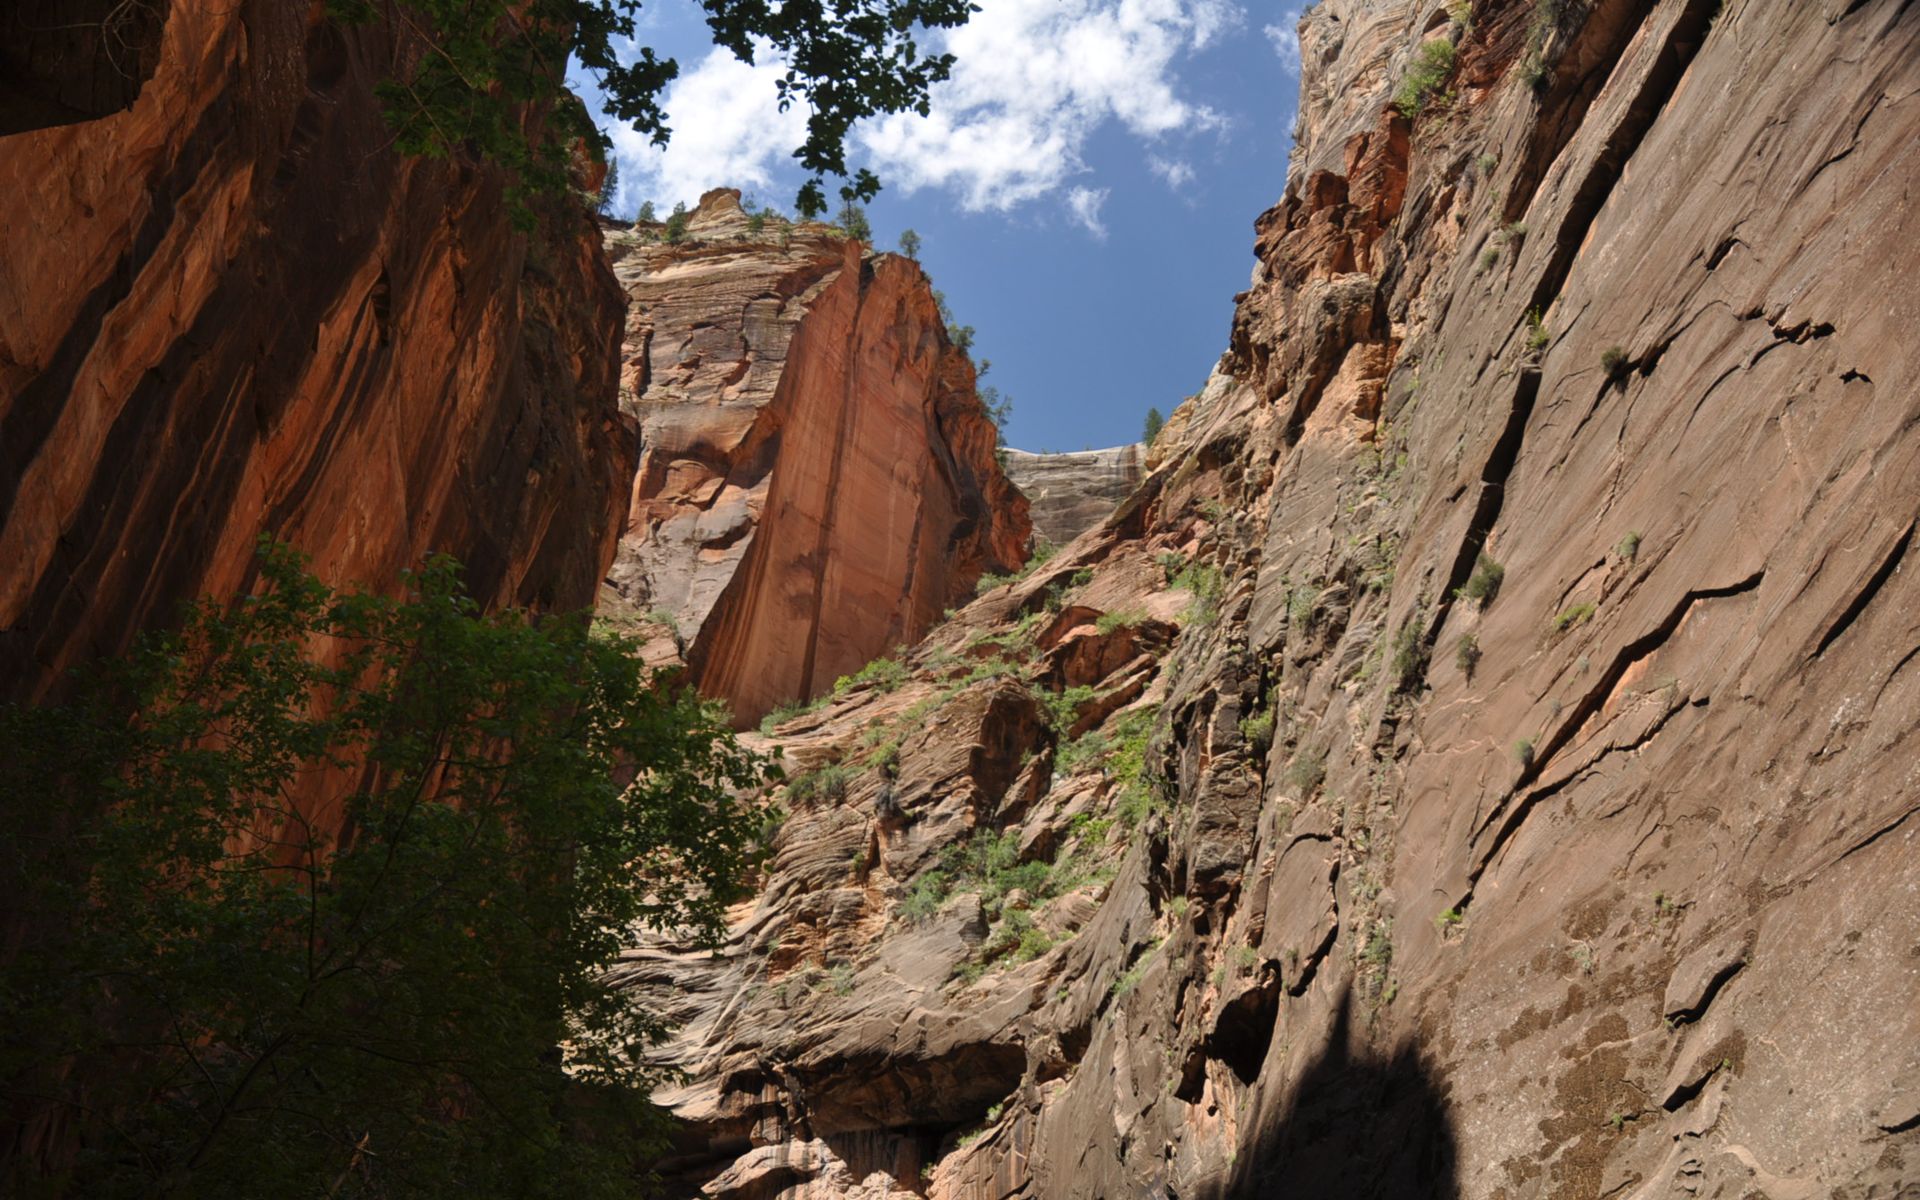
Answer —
1074 491
1319 864
231 309
817 478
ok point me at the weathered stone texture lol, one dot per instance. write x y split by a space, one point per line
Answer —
817 478
1073 492
231 310
1600 883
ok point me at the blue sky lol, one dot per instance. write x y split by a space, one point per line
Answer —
1085 187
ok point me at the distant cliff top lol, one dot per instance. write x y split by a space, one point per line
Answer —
1073 492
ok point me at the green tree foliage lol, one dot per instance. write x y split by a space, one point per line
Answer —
610 187
677 223
1155 422
646 214
236 1001
853 219
910 244
999 410
487 59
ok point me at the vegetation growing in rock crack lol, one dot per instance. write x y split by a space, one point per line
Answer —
264 1006
1431 65
1483 586
1466 654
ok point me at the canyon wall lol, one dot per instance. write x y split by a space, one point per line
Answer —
232 309
817 478
1073 492
1481 758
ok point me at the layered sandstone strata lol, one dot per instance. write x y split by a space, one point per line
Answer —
817 478
1480 759
1073 492
233 310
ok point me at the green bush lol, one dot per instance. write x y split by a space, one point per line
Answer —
882 674
1629 547
1432 63
1578 614
1613 362
1307 772
1483 586
1537 336
824 783
1466 654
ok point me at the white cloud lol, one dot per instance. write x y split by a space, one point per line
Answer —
1285 36
1178 174
1033 80
1084 204
728 131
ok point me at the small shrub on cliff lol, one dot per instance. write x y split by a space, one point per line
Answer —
1614 364
361 992
1155 423
1484 584
882 674
1307 772
1432 63
824 783
676 231
1537 335
1578 614
1466 654
910 244
1629 547
1258 731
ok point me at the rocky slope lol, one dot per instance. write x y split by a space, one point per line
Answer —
231 309
1480 759
1073 492
817 478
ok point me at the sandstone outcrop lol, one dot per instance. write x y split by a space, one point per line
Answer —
1480 759
817 478
231 309
1073 492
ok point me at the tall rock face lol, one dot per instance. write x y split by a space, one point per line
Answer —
1482 759
231 309
1073 492
817 478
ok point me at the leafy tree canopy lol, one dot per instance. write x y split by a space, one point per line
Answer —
240 995
847 59
1154 423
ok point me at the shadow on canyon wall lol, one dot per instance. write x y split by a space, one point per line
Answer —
1357 1127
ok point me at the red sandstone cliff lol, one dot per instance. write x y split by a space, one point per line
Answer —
230 309
817 478
1260 845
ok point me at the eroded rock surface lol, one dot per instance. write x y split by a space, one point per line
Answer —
231 309
1073 492
1503 781
817 478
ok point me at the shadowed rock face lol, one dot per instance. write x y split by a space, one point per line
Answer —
1368 877
817 478
1071 493
231 309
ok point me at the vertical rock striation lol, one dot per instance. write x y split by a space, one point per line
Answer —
231 310
817 478
1481 757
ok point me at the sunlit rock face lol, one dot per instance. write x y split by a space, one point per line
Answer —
1073 492
817 478
1479 759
